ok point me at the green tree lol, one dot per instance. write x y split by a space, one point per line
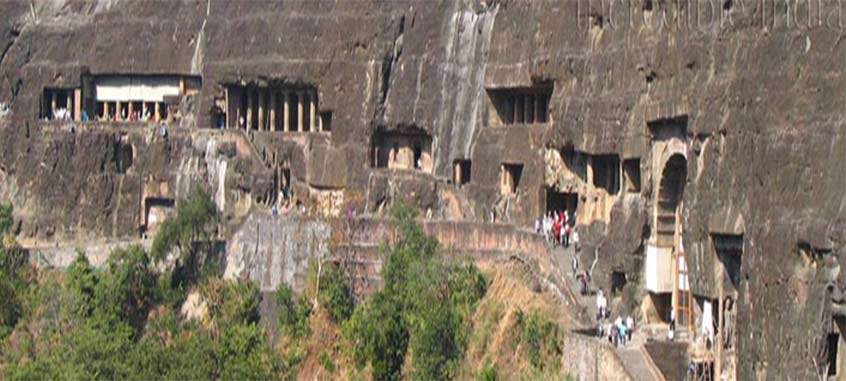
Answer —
424 304
194 221
293 312
128 289
335 293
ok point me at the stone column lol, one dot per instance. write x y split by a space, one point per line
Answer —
69 102
131 110
261 99
105 111
300 115
52 104
158 113
312 111
181 86
143 109
249 110
77 105
227 108
272 110
518 109
286 113
118 110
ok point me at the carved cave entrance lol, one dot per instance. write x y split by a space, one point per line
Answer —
509 178
402 149
156 212
461 172
671 190
558 201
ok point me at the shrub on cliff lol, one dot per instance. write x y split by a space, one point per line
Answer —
541 337
293 312
422 308
5 219
335 293
194 220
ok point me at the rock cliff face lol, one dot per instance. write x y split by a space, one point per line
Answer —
754 86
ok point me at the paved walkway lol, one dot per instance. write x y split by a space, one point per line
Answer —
633 355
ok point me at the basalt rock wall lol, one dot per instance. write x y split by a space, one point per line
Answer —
760 99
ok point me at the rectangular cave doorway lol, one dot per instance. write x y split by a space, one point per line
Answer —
558 201
659 307
618 282
832 345
284 185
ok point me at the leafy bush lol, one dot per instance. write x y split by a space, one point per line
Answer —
230 301
128 289
379 336
326 362
488 373
293 312
424 304
5 219
541 337
84 325
335 293
194 220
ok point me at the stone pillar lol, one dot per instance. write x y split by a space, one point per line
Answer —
312 111
52 104
158 113
131 110
457 177
118 110
261 100
249 110
143 110
300 115
181 86
105 111
77 104
286 113
68 102
272 110
227 108
518 109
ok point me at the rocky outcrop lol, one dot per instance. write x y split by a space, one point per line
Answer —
272 250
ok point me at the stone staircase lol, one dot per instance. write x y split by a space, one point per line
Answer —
638 363
633 355
563 257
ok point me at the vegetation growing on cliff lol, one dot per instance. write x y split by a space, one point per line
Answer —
127 320
422 310
116 323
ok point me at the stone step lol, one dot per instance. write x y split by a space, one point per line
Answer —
639 367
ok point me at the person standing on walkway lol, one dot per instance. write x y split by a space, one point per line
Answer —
672 334
575 264
629 327
601 304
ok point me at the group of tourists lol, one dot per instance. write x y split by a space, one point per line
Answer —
61 114
557 227
618 332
